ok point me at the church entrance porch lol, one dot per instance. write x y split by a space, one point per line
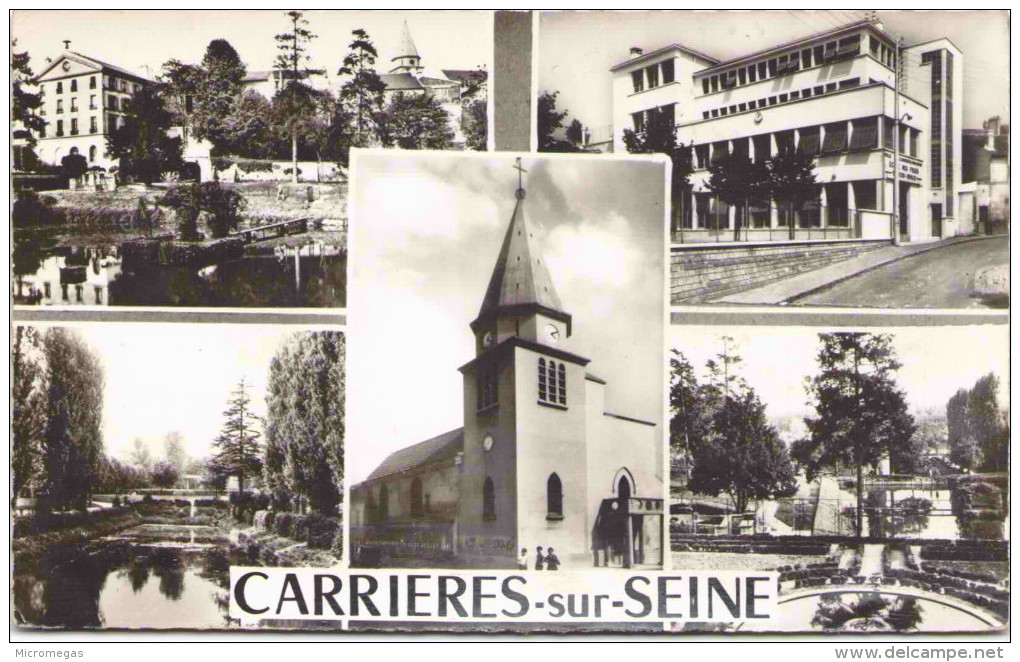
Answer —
628 532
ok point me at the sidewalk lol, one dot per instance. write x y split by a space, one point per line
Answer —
802 284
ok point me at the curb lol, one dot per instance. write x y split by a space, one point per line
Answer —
920 251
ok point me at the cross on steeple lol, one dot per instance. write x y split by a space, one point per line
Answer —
520 178
67 44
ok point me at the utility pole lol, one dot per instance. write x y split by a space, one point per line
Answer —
896 145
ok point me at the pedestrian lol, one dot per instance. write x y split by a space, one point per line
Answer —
522 559
552 562
539 559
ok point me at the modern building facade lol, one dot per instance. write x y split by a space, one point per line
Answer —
984 196
84 99
831 95
541 459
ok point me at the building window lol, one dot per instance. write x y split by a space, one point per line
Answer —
762 70
720 151
704 85
715 112
488 388
554 497
111 101
60 128
653 76
639 121
865 194
742 107
704 115
772 101
60 105
417 501
701 154
384 503
74 104
805 57
742 76
92 150
488 500
724 112
835 138
668 72
42 131
865 134
74 85
92 83
60 87
819 90
810 141
830 87
849 83
751 105
783 98
638 77
74 126
773 65
552 382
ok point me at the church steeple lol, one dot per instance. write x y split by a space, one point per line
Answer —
520 285
407 58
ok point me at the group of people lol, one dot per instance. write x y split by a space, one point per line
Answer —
546 561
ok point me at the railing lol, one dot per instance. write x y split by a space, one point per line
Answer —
274 230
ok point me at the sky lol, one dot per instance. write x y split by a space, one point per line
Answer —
576 50
425 233
141 41
937 361
177 377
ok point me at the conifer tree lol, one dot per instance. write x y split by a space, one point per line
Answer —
237 448
294 103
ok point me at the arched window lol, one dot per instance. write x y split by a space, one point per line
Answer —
563 384
554 497
92 151
488 500
417 503
384 503
623 489
543 392
552 382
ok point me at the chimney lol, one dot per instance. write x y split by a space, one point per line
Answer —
636 52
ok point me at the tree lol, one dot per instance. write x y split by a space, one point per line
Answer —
418 121
659 137
362 94
74 165
792 181
474 124
860 413
737 451
183 88
140 455
173 451
548 122
141 142
73 437
985 422
305 420
164 474
216 87
24 104
238 452
293 47
736 179
28 407
575 132
247 130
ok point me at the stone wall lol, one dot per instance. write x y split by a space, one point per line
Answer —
704 273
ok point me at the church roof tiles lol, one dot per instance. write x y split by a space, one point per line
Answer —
437 449
407 47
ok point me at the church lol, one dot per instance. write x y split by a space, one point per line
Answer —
541 460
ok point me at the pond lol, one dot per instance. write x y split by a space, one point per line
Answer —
134 580
94 276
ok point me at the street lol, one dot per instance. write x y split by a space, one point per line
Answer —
942 278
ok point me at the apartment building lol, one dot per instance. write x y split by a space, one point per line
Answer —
83 100
831 95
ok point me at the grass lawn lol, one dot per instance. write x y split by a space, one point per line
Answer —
734 561
998 568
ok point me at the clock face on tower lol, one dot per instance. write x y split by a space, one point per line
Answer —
488 442
488 339
551 333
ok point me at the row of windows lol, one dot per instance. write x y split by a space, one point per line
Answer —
553 498
642 118
74 104
109 83
838 137
782 65
660 73
552 382
786 97
93 126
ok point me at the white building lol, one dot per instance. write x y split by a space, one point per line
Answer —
831 95
83 100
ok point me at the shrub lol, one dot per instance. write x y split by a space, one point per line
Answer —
299 528
338 543
255 166
321 531
260 518
30 209
284 524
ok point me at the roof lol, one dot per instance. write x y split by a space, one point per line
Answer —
99 63
520 277
465 75
444 447
429 80
402 81
407 48
772 49
659 51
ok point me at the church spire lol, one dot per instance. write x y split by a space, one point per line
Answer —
407 48
520 283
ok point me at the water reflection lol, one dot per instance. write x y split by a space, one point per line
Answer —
96 276
127 586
